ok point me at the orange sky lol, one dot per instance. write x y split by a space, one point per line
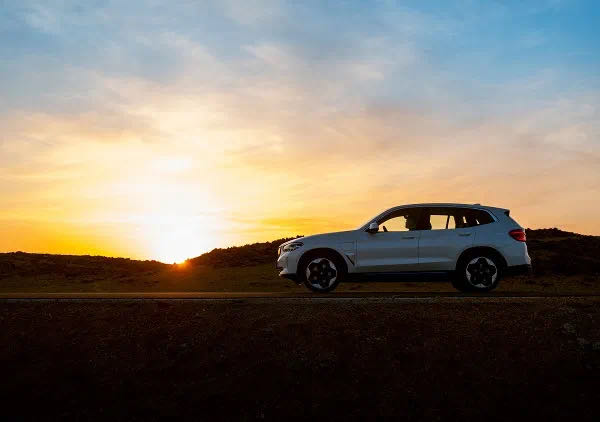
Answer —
170 140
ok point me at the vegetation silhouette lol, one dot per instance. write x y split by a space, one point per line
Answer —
553 251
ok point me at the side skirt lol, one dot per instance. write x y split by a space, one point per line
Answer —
421 276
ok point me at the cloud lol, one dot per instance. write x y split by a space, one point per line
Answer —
42 18
253 12
284 119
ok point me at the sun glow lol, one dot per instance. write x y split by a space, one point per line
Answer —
173 211
173 237
175 244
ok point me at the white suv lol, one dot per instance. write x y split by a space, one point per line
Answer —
475 244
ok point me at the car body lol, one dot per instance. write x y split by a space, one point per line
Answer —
419 238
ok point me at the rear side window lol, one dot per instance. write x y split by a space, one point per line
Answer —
436 219
480 217
471 218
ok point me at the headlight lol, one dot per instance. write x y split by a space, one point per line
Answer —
291 246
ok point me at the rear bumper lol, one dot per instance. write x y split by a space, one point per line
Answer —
518 269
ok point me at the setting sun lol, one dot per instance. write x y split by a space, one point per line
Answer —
175 244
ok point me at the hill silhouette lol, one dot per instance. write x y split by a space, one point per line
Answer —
241 256
73 266
553 251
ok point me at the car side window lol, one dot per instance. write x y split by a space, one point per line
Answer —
400 221
482 217
452 222
436 219
459 220
452 218
471 218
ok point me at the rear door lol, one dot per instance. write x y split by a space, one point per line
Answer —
445 233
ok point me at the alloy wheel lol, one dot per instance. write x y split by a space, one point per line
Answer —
481 272
321 273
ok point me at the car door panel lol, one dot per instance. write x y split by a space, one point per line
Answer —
388 251
439 249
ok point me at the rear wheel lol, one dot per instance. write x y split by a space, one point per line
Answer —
321 272
478 272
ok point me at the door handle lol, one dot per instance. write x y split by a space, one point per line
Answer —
408 237
465 234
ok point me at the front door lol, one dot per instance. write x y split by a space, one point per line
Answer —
394 248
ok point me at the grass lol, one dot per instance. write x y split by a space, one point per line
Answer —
263 278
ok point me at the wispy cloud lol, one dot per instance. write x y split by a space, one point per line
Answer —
278 115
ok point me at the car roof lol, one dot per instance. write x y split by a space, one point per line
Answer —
450 204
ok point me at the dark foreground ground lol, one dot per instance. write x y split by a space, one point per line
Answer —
414 359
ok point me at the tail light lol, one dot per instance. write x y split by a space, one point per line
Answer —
518 235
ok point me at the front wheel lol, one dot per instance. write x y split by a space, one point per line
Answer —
321 273
479 272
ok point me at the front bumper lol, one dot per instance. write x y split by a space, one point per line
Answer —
287 264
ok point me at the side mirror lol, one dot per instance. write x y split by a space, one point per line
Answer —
373 228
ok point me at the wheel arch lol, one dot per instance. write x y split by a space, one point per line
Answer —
481 249
316 251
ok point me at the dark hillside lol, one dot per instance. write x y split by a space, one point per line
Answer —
241 256
73 266
554 251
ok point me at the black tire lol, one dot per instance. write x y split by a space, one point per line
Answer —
478 272
321 272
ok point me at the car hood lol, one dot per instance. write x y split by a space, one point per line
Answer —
317 238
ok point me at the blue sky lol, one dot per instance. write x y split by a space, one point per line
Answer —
470 46
358 105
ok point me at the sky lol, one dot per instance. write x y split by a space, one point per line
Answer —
161 130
